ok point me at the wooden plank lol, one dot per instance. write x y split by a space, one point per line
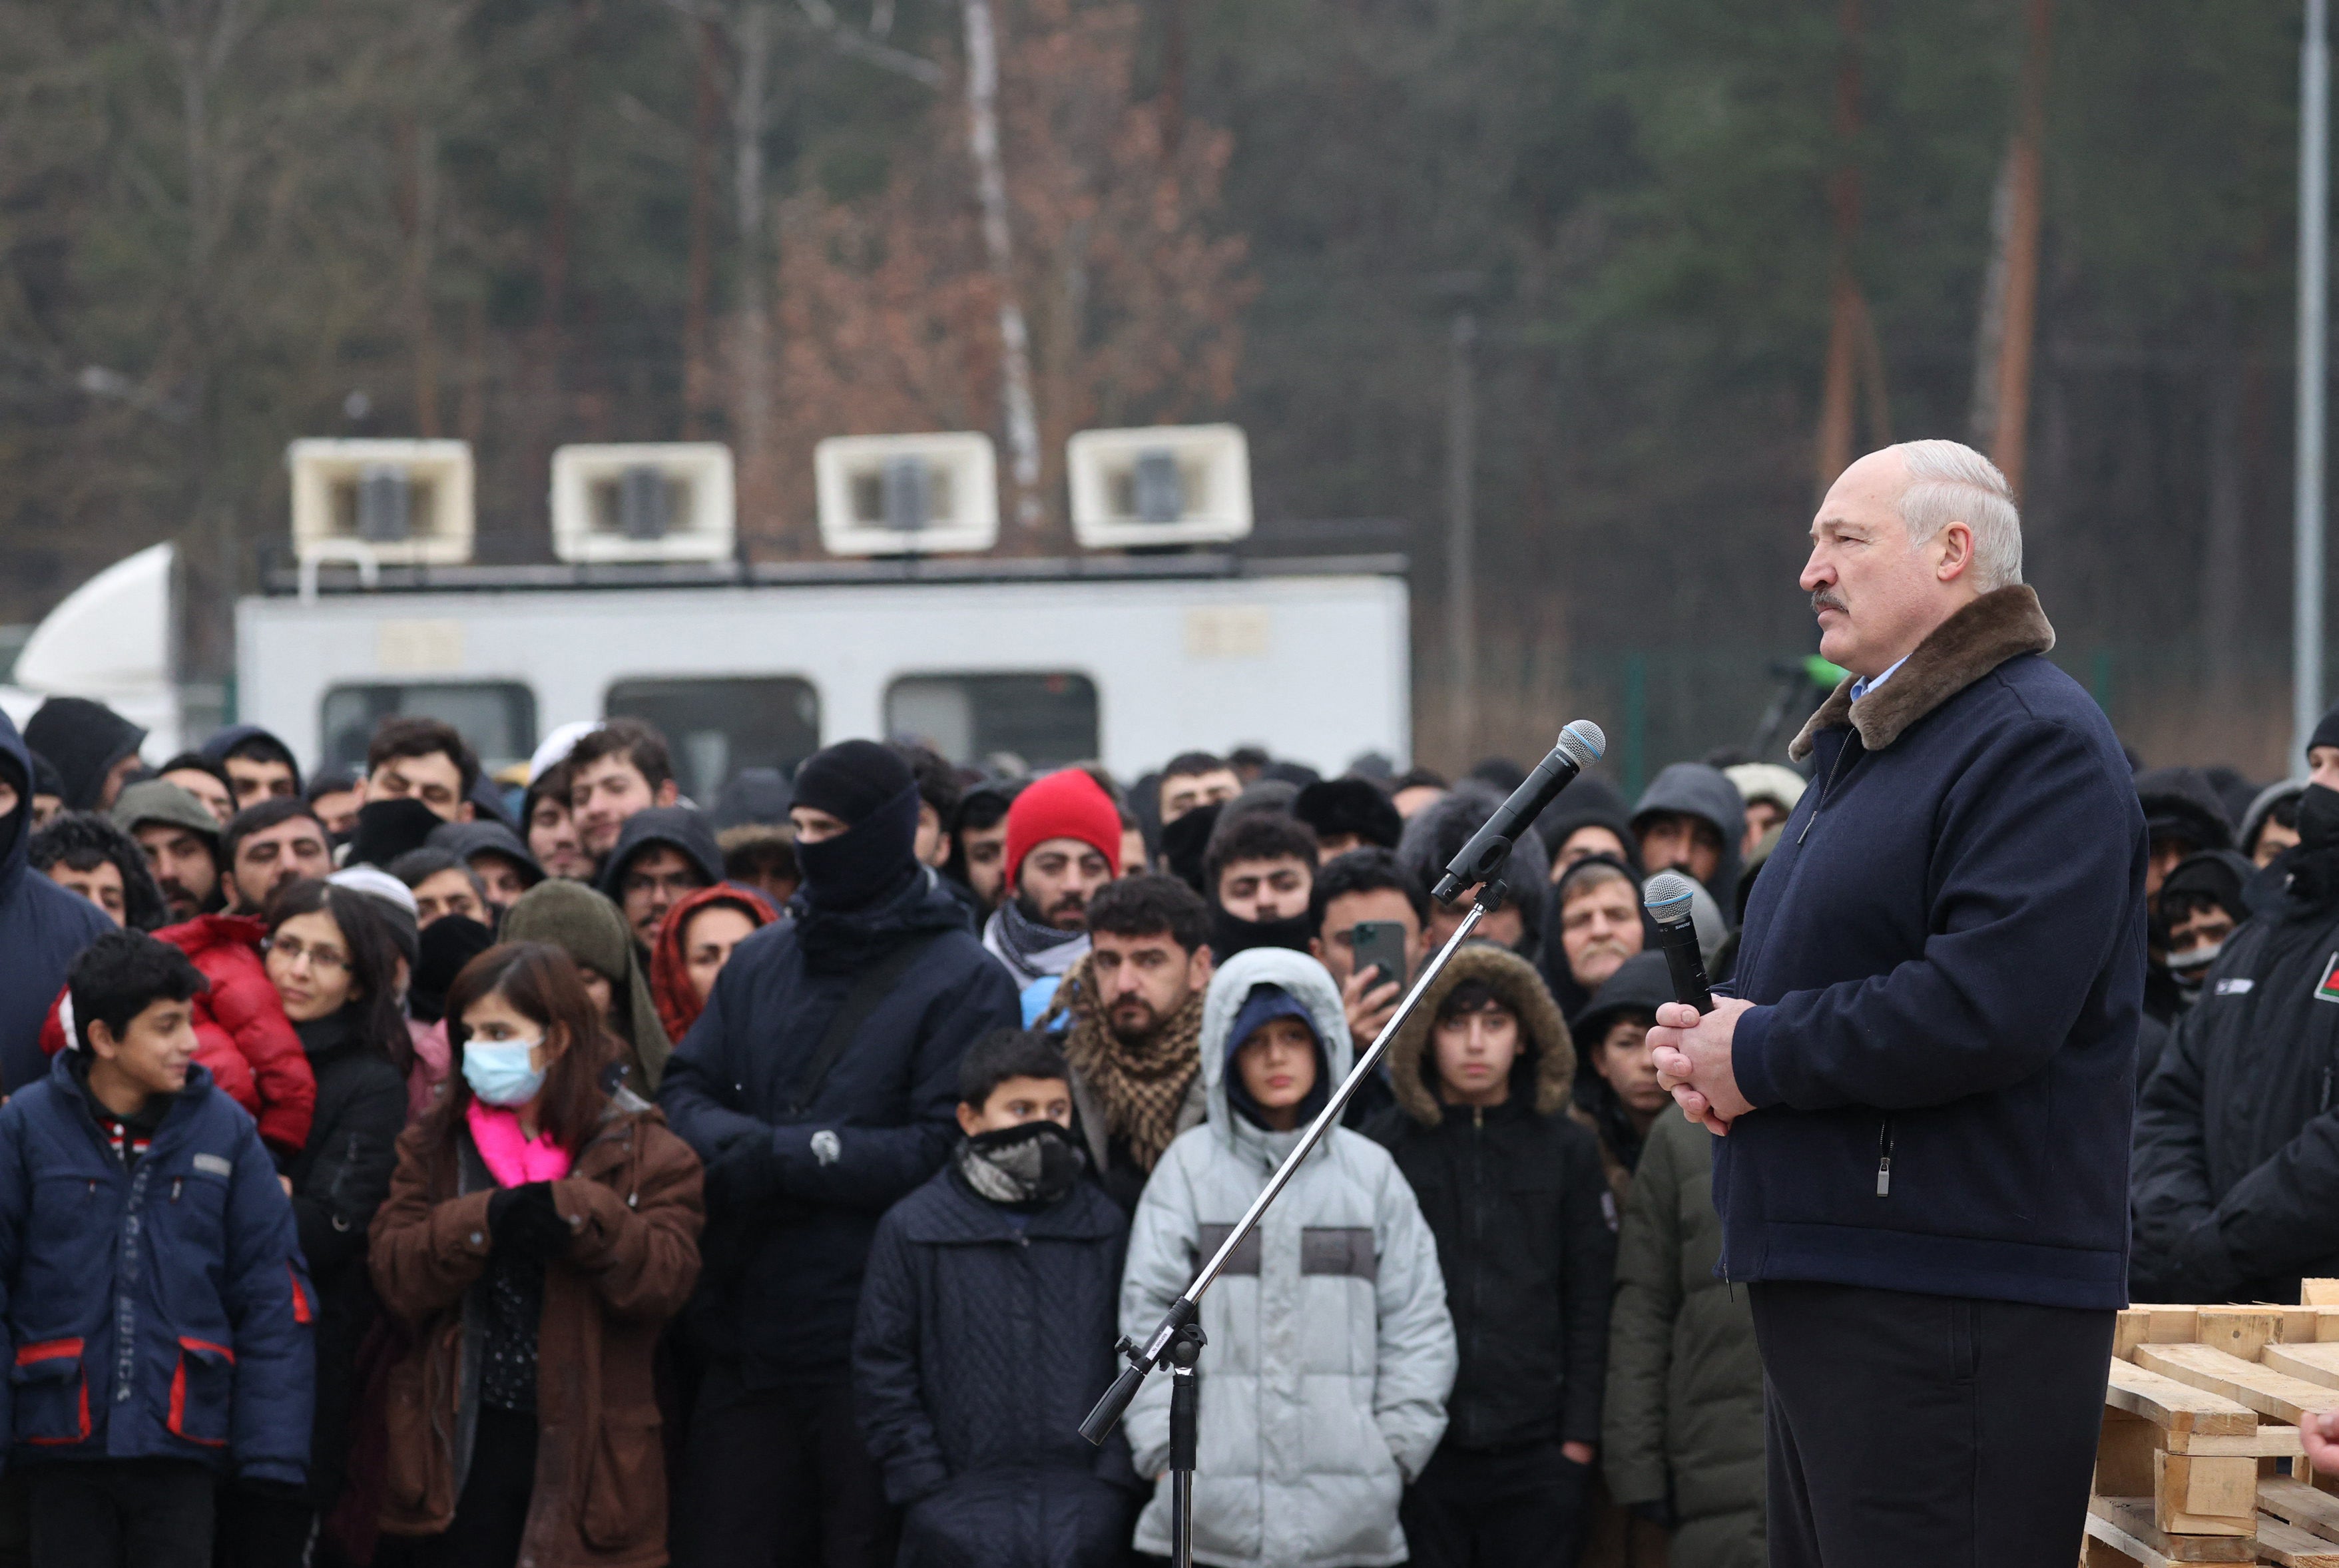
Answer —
2125 1524
2173 1403
2318 1292
2269 1392
2292 1547
2268 1442
2314 1363
2242 1331
2296 1502
2203 1495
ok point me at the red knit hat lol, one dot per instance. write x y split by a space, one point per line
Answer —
1067 804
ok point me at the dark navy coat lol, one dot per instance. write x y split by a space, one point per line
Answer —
981 1345
43 929
783 1279
1947 948
160 1313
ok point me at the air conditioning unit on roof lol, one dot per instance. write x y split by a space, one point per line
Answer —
907 495
1163 485
408 503
642 501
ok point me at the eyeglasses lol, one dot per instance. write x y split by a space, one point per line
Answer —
292 951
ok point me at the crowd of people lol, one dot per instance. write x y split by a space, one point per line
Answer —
403 1165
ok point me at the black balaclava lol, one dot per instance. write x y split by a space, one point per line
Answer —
1183 843
1025 1167
2313 860
390 828
868 861
851 780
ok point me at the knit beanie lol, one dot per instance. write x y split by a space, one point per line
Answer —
1067 804
850 779
2326 732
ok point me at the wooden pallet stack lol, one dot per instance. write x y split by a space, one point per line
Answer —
2201 1409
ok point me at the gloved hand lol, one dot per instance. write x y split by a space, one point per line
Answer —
746 1175
525 1222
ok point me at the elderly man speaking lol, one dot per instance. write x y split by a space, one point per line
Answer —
1927 1076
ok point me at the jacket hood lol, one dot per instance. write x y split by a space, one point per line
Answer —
17 827
1694 789
83 739
1641 983
678 827
678 1006
1437 832
160 800
2261 811
215 749
2181 804
2003 624
592 931
1551 1051
1308 983
1589 802
465 838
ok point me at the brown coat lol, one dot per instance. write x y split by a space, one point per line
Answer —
633 1199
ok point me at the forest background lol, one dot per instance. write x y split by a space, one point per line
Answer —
1625 280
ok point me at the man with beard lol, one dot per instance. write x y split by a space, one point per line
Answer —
978 843
1260 871
1063 847
1132 1013
2236 1175
182 841
273 844
820 1085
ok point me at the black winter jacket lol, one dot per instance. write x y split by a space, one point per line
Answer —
983 1344
785 1253
1515 1197
1947 949
43 929
2236 1184
340 1176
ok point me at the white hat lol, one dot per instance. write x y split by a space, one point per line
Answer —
1767 781
379 883
557 746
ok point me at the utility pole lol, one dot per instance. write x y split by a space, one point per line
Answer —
1461 539
2313 299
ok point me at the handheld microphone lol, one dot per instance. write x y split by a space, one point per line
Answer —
1581 744
1667 899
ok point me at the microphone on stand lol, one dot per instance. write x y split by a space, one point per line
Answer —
1580 746
1667 899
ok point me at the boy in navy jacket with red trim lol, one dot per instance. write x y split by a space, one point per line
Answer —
151 1279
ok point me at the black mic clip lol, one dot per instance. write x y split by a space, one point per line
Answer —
1486 875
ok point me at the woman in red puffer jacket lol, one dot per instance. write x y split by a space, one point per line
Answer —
241 1035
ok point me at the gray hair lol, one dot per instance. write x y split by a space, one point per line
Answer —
1949 482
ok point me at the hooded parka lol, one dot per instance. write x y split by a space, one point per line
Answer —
1694 789
42 928
1514 1194
1683 1416
632 1200
1330 1357
2236 1139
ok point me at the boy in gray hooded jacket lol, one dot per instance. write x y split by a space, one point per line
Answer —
1323 1388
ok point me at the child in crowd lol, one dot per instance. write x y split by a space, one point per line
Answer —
1512 1188
151 1276
986 1333
1330 1355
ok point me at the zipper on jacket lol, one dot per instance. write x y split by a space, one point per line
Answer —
1884 1159
179 1181
1826 789
2326 1090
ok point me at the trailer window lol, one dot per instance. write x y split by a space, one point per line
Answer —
496 718
715 727
1046 720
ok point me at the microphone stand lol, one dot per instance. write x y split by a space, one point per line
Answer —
1179 1339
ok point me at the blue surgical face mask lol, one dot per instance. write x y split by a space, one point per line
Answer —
498 1073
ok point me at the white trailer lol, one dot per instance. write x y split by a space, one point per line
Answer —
1126 660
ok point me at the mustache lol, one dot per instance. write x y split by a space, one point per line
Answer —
1822 599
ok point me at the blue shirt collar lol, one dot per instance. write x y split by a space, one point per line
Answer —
1861 688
